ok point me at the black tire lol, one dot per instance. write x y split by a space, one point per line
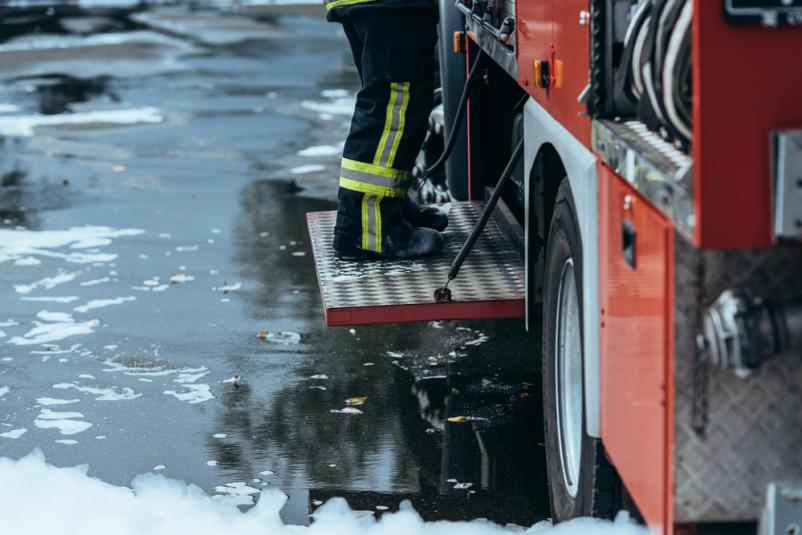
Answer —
597 488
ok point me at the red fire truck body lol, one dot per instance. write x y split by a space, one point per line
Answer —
658 208
709 225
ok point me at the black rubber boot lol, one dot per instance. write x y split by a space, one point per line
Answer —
425 216
398 238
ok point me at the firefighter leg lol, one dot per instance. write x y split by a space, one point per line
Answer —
397 68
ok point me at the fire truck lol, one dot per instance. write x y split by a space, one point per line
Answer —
645 164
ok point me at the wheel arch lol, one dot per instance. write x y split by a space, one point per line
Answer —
551 153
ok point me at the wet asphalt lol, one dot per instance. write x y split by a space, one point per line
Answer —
203 196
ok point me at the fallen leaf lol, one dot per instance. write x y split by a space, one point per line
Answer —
458 419
356 401
262 335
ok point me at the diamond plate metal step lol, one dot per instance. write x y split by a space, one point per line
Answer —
490 284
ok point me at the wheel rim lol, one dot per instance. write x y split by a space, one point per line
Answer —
568 378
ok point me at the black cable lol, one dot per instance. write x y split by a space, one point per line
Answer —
452 136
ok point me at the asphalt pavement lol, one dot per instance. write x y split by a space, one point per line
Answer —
155 171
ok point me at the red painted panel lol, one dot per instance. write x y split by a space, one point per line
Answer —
550 30
534 39
512 308
637 349
572 48
747 82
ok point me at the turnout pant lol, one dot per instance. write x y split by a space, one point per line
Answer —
393 50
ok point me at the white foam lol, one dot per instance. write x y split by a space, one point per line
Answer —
283 337
155 505
100 303
342 105
180 278
113 393
67 441
55 326
48 283
14 433
64 299
47 402
347 410
25 125
237 492
320 150
306 169
27 261
8 108
4 390
229 287
193 393
67 423
17 244
93 282
8 323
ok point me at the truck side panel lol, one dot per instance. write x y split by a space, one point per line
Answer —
636 280
571 58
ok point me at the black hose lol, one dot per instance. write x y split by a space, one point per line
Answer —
452 136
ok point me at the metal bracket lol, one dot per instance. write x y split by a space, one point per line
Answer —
783 512
787 172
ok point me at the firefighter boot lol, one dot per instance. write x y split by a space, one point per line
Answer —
425 216
374 227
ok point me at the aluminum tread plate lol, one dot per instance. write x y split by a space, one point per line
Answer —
755 431
490 283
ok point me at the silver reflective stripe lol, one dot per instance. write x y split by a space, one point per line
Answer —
376 180
372 223
394 126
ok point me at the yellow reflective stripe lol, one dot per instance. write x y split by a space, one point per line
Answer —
364 187
376 180
401 121
378 217
342 3
388 124
372 169
365 224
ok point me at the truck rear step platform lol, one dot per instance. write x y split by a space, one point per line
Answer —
490 284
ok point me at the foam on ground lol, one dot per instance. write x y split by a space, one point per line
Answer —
53 327
37 498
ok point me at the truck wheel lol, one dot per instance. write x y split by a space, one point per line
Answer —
581 481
